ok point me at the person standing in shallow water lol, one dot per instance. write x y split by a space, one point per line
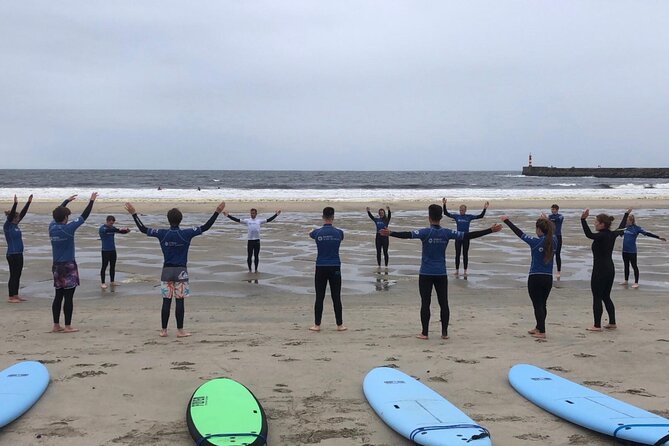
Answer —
328 269
557 220
433 264
15 248
107 232
381 222
462 221
630 235
174 243
64 269
253 235
540 277
603 270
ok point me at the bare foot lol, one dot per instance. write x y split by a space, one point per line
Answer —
623 283
115 284
465 274
456 273
341 328
539 335
14 300
533 331
557 275
636 285
315 328
70 329
594 328
21 298
163 333
182 334
610 326
444 337
421 336
57 328
103 286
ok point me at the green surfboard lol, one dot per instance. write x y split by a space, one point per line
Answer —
223 412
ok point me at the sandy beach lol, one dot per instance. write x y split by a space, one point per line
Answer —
116 382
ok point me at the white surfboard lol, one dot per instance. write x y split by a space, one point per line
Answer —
587 407
418 413
21 385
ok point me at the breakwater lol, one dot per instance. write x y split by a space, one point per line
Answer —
597 172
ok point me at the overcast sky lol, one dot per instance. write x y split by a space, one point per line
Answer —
351 85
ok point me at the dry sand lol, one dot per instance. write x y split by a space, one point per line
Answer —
117 383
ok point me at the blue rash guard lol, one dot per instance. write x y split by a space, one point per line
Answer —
13 232
381 223
328 238
107 237
62 235
630 235
538 266
463 221
557 220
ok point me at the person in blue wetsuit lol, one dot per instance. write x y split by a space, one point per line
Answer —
630 235
328 269
381 222
462 221
603 270
107 233
540 277
433 264
557 220
15 248
64 269
174 243
253 235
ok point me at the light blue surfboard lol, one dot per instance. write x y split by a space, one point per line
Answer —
21 385
587 407
418 413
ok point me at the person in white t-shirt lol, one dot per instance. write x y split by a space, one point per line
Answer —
253 236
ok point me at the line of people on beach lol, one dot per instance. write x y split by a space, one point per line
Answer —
175 242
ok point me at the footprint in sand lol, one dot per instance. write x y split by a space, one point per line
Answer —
282 388
584 355
87 373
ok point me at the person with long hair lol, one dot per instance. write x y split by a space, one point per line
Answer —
632 231
15 248
603 270
381 242
540 277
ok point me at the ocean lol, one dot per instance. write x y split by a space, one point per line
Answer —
245 185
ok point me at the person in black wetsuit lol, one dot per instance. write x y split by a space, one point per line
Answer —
381 222
15 248
603 270
462 222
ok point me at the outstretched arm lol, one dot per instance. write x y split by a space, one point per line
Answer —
276 214
387 232
485 208
205 227
476 234
231 217
516 230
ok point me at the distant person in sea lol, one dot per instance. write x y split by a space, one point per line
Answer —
253 234
462 221
540 277
174 243
603 270
381 241
557 220
107 232
433 264
630 235
65 270
15 248
328 269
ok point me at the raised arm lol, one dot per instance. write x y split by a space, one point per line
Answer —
584 223
516 230
276 214
89 207
205 227
387 215
443 205
131 210
68 200
24 211
623 222
369 213
231 217
12 211
485 208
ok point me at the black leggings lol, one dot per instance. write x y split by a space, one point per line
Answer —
179 312
108 258
440 284
252 249
558 251
325 274
539 287
15 268
66 294
601 283
381 242
461 245
630 257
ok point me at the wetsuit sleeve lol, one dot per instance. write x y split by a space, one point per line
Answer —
586 229
234 218
371 216
123 231
139 224
24 211
12 212
388 218
477 234
272 217
401 234
446 213
87 211
209 223
516 230
481 215
623 222
648 234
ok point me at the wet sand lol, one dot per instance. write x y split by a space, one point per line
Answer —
116 382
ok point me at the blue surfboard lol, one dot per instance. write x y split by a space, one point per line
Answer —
418 413
21 385
588 408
